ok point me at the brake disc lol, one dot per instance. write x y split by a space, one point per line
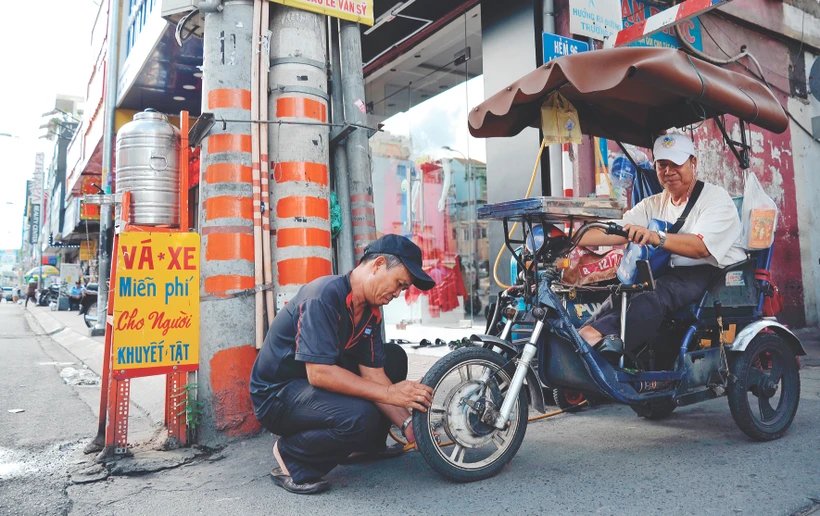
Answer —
462 423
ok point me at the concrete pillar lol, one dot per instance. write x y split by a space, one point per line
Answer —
358 147
226 221
299 150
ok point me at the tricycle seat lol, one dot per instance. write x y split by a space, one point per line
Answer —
735 288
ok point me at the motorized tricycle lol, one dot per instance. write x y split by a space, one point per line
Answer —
721 345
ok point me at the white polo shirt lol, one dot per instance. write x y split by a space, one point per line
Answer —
713 219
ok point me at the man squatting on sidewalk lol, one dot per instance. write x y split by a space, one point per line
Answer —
324 380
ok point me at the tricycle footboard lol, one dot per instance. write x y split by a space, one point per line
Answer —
560 365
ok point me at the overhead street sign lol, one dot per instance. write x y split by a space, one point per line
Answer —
663 20
352 10
597 19
558 46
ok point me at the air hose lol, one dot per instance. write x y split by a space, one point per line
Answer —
409 446
515 225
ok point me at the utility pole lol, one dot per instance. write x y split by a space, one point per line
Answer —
344 241
553 151
227 330
106 219
358 148
299 149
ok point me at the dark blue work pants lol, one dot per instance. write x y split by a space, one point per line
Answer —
645 312
319 428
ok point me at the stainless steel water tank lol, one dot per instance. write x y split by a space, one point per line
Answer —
148 167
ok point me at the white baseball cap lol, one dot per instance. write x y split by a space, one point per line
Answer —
675 147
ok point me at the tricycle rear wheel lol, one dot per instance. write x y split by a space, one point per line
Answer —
765 390
451 435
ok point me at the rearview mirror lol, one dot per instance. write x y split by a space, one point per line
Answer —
645 276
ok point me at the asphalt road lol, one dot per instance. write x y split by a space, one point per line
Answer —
602 460
37 444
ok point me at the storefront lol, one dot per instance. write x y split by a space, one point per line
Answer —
429 174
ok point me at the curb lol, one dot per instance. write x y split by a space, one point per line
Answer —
86 349
147 393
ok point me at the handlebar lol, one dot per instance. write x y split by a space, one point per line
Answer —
610 228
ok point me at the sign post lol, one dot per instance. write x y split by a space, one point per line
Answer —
152 317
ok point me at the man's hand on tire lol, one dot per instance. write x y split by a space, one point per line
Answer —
410 394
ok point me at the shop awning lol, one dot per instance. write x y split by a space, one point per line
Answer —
631 95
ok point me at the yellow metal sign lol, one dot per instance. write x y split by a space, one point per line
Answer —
353 10
156 304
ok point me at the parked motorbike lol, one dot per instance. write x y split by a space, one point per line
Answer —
48 295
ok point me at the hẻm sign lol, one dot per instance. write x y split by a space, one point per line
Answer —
156 304
559 46
598 19
352 10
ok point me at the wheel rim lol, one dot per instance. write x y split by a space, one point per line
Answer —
768 394
462 440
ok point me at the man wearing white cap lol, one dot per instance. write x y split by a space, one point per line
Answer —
708 240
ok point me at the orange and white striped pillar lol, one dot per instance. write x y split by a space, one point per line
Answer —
299 150
227 335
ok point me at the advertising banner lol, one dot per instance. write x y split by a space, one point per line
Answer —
34 225
88 250
636 12
89 211
156 304
352 10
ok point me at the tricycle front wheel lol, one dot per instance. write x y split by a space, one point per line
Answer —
452 435
765 390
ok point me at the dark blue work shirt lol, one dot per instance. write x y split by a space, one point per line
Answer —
316 326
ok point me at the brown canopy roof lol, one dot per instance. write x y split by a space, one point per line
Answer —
630 94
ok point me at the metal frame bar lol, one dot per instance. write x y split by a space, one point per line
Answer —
739 149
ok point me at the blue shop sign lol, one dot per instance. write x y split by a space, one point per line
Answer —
635 12
557 46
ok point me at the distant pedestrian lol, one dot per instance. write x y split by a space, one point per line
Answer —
31 293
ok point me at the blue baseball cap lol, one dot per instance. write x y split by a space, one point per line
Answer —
406 251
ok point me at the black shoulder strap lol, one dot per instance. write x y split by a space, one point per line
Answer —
692 200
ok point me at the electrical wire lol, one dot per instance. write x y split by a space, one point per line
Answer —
733 59
515 225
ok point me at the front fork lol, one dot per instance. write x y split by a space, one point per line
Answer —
520 371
